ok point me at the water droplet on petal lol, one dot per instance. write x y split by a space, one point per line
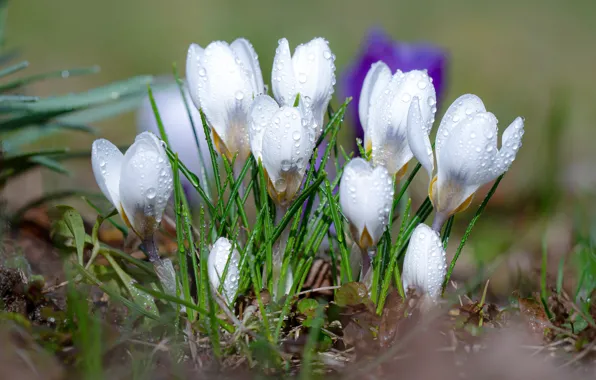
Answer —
151 193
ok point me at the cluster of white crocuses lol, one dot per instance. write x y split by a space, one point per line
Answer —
225 82
397 112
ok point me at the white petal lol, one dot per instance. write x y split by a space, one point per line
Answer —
145 183
176 122
389 118
194 72
415 83
261 114
377 78
247 54
466 161
425 264
283 81
365 196
418 139
219 256
287 146
388 141
310 72
106 161
225 94
314 70
511 143
464 106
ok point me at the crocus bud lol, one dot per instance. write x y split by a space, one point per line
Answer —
223 80
467 153
425 263
384 106
283 139
366 196
138 183
310 72
219 256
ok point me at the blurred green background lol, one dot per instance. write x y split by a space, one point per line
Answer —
513 54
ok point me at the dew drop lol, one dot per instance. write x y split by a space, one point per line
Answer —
285 165
280 185
151 193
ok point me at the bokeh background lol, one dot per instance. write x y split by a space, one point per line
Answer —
530 58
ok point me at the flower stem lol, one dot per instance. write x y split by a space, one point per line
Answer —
279 247
440 219
366 276
236 170
163 268
151 250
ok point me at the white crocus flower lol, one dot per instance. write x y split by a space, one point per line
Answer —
220 255
425 263
138 183
283 138
365 196
223 80
383 109
177 125
467 153
310 72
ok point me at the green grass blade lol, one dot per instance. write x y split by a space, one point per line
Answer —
393 269
311 343
469 230
13 68
447 232
346 270
53 74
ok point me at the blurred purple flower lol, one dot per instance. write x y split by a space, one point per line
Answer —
378 46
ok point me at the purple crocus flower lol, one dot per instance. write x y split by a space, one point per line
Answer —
379 46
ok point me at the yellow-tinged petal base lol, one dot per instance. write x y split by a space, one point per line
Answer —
220 146
401 172
283 196
433 194
366 240
465 204
149 225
